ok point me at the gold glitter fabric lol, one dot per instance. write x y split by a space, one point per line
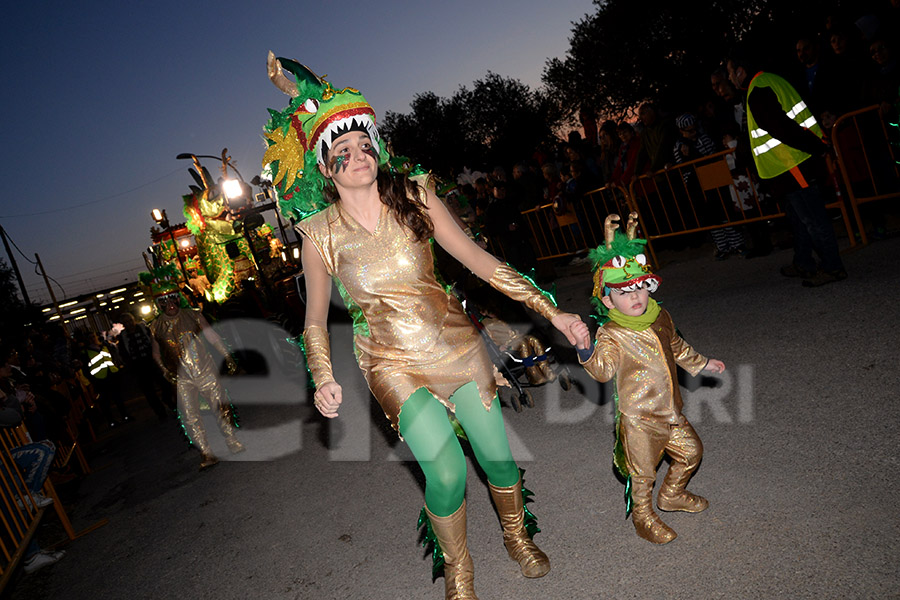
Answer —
417 334
644 365
644 443
509 281
521 548
318 355
182 352
181 349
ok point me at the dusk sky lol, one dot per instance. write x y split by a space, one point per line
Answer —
100 97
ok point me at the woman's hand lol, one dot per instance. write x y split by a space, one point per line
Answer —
714 365
565 323
328 399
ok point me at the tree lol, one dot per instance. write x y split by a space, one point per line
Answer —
499 121
434 134
629 52
11 307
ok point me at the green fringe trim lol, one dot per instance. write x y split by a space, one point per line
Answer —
619 456
549 294
298 341
531 525
457 428
360 324
437 555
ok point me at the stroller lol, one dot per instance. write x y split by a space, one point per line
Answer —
522 359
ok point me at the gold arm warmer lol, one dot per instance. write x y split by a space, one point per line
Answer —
318 355
509 281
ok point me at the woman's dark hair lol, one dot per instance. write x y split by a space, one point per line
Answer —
401 195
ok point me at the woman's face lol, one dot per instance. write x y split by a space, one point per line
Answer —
352 161
605 140
838 43
625 135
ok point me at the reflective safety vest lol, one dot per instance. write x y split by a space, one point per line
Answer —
100 363
773 157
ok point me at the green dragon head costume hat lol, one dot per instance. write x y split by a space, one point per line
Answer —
298 137
163 283
620 262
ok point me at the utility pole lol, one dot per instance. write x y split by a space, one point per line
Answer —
62 321
15 266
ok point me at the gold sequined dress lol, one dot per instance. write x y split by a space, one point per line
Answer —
409 333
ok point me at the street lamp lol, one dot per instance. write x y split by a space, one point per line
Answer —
160 217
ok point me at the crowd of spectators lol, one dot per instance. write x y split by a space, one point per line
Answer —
62 388
851 62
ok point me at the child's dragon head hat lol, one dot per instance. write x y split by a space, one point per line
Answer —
298 137
620 262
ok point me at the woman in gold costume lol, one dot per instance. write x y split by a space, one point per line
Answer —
369 232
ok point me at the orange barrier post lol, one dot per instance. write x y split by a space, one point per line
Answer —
703 195
19 515
21 433
867 160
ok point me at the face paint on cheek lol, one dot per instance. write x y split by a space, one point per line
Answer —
339 163
372 152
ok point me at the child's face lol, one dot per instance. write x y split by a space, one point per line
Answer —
632 304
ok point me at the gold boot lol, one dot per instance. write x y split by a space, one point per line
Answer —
647 523
226 424
459 572
511 508
190 419
673 496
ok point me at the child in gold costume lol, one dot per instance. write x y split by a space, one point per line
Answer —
367 228
639 346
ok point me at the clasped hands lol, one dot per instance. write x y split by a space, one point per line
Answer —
574 329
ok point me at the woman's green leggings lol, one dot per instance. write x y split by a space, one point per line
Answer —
425 426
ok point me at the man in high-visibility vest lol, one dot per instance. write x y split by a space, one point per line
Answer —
104 374
787 147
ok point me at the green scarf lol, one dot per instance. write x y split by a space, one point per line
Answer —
638 323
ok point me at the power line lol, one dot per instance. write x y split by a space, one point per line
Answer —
116 195
16 246
134 261
51 279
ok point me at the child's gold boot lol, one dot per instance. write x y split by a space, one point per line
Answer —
673 496
647 523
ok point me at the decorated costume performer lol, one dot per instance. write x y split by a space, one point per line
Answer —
186 363
638 345
366 227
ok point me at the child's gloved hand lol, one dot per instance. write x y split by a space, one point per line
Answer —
714 365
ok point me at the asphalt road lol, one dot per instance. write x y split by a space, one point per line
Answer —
800 469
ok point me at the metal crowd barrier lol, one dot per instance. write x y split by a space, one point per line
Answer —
702 195
19 515
867 159
21 433
695 196
577 229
